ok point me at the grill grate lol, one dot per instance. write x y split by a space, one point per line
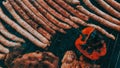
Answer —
63 42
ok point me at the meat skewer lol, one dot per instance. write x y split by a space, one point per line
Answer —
43 32
56 14
49 16
101 30
59 9
100 13
99 19
8 43
21 30
34 17
35 11
114 4
73 2
29 21
3 49
104 32
72 10
24 24
4 31
78 20
63 12
109 9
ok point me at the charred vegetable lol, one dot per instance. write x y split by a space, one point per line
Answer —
91 44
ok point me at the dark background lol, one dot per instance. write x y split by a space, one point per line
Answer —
60 43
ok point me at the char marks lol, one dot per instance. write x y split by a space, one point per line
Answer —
34 17
101 13
39 20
